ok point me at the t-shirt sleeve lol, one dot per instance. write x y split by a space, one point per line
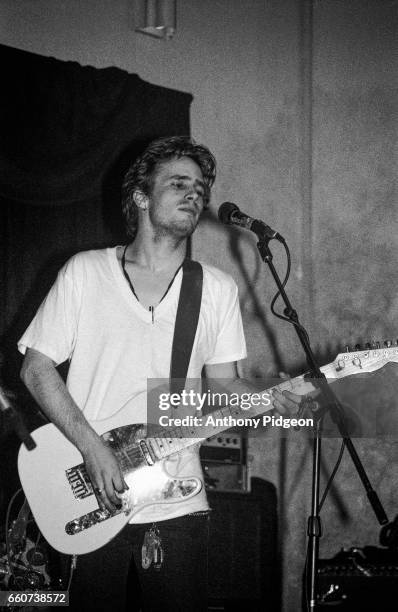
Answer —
53 329
230 344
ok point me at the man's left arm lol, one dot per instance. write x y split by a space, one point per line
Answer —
226 375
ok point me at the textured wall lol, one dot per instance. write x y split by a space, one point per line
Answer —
327 183
353 245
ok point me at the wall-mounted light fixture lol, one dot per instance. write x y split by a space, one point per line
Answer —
156 17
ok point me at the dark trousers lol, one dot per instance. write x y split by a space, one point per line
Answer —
112 579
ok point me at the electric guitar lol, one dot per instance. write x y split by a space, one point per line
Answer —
61 496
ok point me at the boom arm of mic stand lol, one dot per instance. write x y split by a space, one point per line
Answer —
314 522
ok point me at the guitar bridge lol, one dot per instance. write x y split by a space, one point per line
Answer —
79 481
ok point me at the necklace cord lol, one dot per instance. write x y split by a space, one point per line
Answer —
132 286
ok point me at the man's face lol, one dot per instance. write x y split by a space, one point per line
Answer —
176 198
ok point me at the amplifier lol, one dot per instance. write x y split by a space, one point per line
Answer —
363 579
225 477
224 462
225 447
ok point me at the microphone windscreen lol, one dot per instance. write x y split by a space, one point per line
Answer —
226 210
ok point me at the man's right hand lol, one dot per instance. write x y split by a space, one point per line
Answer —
105 474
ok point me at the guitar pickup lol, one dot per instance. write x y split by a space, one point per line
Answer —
147 452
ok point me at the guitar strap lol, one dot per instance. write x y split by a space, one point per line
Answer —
186 323
184 335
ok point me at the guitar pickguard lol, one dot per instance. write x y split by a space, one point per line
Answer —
175 489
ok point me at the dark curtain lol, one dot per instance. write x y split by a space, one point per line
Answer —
67 134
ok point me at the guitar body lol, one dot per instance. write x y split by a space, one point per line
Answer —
61 496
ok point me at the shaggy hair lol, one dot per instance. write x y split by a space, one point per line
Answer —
141 174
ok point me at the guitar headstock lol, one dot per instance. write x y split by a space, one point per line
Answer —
368 359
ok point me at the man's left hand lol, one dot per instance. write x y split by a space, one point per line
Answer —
286 403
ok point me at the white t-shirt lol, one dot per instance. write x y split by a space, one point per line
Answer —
91 318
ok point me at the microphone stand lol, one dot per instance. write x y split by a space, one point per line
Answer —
314 527
15 420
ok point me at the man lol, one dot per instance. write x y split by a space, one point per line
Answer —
111 313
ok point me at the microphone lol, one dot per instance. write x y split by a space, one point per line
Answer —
230 214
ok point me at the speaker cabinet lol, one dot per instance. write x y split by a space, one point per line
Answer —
243 560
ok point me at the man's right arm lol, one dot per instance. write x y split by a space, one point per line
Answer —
49 390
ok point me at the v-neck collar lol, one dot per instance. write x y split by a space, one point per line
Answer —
145 314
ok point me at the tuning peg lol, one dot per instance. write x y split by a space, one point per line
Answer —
368 345
357 347
347 348
387 343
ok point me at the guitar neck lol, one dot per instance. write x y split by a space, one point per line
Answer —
174 439
199 428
